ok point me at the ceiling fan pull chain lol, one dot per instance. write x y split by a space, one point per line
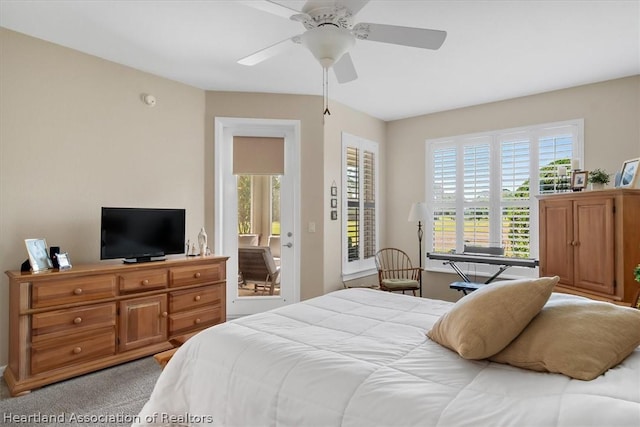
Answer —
325 90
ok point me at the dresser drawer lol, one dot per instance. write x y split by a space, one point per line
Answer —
73 320
184 276
53 354
81 289
195 319
143 280
206 296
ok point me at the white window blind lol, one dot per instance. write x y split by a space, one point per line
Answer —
516 201
481 188
360 209
475 189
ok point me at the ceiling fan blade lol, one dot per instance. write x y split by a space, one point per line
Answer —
266 53
271 7
406 36
353 5
344 69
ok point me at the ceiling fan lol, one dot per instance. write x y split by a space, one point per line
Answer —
330 33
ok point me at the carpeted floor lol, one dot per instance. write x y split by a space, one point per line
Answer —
110 397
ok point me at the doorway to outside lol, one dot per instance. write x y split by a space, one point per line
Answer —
258 229
255 211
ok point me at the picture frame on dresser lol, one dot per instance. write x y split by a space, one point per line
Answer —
579 180
629 173
38 255
64 263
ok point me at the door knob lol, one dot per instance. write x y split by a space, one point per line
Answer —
288 244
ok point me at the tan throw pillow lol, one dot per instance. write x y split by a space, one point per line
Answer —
482 323
574 336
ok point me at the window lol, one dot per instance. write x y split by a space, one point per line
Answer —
245 197
275 204
481 188
259 204
360 209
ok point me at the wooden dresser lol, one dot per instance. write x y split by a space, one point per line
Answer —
67 323
591 240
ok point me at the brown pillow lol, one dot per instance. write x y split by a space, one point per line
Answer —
575 336
482 323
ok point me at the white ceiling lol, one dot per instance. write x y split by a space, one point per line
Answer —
494 49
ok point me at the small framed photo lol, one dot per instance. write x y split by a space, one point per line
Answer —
64 263
579 180
334 190
334 215
38 255
629 174
334 203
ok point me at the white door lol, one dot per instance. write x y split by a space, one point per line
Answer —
226 210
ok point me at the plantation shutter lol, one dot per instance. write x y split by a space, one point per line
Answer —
369 204
515 183
476 188
353 203
444 199
555 148
481 187
360 208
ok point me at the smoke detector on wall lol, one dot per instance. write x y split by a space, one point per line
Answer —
150 100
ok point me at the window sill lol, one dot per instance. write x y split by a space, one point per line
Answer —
358 274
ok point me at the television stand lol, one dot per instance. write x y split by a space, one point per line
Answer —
142 259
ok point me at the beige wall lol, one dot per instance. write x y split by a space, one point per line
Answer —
75 136
320 267
345 119
611 127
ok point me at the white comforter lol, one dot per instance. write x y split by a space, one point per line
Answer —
360 357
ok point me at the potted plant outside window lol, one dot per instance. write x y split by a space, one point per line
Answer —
598 179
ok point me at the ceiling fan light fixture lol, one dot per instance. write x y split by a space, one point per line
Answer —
328 43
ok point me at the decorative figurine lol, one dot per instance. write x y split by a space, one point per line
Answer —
202 241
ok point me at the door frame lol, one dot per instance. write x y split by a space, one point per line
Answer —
226 207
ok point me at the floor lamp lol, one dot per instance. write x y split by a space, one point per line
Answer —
420 213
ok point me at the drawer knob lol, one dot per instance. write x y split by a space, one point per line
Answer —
77 320
196 298
197 321
77 350
145 282
197 275
77 291
164 314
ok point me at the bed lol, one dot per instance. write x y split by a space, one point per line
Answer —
361 357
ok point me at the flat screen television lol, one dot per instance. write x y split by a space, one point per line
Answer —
141 234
